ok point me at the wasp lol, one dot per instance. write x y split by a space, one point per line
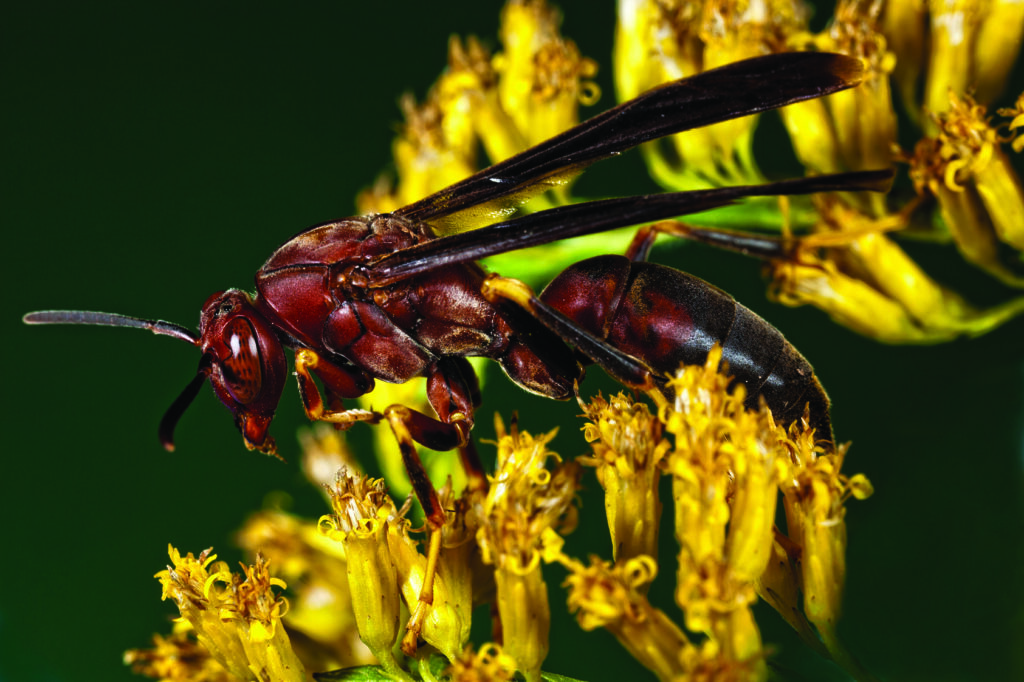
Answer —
385 298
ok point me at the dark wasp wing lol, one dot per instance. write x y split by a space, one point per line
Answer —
731 91
591 217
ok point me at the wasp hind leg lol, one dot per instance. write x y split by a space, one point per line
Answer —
628 370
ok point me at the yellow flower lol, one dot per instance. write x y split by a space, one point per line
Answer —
525 505
724 485
237 620
447 624
854 129
488 664
362 521
865 281
627 444
814 491
973 47
613 597
177 657
523 95
657 42
542 75
429 154
315 568
979 194
460 568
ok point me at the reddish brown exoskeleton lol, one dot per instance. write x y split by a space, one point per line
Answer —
383 297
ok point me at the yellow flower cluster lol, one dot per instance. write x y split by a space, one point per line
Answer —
850 266
236 618
526 93
851 262
358 572
965 168
728 466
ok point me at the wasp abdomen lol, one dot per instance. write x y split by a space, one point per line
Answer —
667 318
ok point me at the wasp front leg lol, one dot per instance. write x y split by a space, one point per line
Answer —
340 383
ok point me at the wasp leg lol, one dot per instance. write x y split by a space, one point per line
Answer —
454 393
624 367
766 247
340 383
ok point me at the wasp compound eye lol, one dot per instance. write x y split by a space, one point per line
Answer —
242 369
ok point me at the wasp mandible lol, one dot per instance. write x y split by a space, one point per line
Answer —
383 297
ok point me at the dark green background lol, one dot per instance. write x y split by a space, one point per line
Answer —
156 153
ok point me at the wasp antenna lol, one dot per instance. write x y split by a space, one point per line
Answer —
178 407
111 320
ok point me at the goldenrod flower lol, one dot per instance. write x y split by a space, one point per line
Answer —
526 93
973 47
177 657
979 194
315 568
724 486
430 153
436 146
657 42
488 664
237 620
628 448
613 597
865 280
525 506
814 492
362 521
469 96
543 77
447 623
780 587
460 568
854 129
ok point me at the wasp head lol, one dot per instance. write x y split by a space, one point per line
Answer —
245 363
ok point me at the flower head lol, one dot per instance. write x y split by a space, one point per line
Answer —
628 448
542 76
973 47
979 194
525 508
487 664
613 597
177 657
363 519
237 619
854 129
